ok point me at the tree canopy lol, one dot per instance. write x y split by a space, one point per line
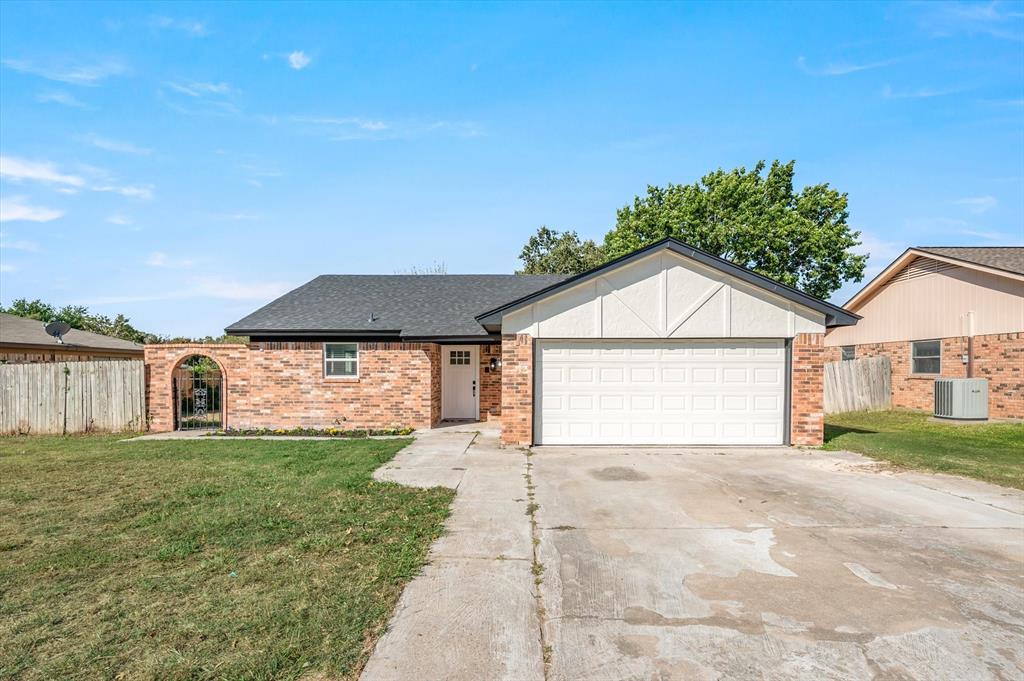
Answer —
552 252
749 217
79 317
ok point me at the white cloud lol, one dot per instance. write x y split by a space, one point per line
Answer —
62 98
842 68
216 287
1004 239
15 208
160 259
205 287
996 19
144 192
351 128
20 245
977 204
90 74
298 60
119 219
239 217
7 268
920 93
199 88
188 26
120 147
18 169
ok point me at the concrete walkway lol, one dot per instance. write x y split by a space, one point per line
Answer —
472 613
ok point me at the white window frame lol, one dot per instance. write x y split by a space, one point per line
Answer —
327 361
914 356
851 349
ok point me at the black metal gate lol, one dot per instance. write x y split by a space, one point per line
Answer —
198 394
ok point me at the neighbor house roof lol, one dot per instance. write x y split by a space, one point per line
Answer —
401 305
1007 261
15 330
834 315
1007 258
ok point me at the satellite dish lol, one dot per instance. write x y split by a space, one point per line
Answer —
57 330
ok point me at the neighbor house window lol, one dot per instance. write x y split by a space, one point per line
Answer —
341 360
849 352
926 356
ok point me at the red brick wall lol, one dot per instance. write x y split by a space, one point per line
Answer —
1000 359
807 398
282 385
517 389
997 357
490 383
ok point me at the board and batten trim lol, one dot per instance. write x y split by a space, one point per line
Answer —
636 300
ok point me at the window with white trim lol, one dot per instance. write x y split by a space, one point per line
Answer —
849 352
926 357
341 360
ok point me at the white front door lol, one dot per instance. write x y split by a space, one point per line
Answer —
460 374
710 392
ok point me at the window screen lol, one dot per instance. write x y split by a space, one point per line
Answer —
341 359
926 356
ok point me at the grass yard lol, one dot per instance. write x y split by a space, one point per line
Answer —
992 452
207 559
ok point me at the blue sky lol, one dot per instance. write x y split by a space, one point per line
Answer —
185 163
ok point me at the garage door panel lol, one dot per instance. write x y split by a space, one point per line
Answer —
661 392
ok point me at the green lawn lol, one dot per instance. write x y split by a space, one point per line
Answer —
993 452
245 559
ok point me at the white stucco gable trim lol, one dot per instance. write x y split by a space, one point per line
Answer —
663 294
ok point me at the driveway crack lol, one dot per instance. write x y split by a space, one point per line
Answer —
538 566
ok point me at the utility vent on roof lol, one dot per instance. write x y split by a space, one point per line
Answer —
922 267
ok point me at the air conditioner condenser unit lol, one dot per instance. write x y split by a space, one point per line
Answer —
961 398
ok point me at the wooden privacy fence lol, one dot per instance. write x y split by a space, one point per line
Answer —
858 384
72 397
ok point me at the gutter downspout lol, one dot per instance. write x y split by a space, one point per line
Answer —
970 344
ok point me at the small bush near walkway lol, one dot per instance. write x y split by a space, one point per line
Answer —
202 559
993 452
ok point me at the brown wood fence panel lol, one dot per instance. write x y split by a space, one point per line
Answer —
72 397
858 385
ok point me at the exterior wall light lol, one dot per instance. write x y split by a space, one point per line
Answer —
495 364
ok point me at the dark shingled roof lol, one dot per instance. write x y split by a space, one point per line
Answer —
15 330
1007 258
410 305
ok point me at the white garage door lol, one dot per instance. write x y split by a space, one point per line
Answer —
661 392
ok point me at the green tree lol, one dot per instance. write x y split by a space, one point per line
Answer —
552 252
753 219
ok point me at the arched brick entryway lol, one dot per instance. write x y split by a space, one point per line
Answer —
163 362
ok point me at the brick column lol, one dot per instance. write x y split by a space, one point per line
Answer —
807 397
517 389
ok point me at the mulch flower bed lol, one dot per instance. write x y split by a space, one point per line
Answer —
311 432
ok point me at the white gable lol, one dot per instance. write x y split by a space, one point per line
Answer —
663 295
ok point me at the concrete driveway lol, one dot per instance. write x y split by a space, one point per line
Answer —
711 564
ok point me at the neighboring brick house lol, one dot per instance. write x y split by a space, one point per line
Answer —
668 345
944 311
25 341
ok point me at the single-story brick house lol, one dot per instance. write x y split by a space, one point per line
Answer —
943 311
25 341
667 345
